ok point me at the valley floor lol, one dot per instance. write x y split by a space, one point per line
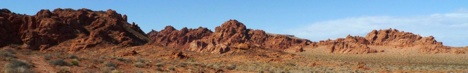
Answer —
153 59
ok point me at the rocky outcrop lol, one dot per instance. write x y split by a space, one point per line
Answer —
388 37
234 35
348 45
83 28
230 35
172 38
401 39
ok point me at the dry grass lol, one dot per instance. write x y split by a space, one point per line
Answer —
154 60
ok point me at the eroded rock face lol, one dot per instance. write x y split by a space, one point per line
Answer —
348 45
230 35
83 27
392 37
401 39
173 38
234 35
388 37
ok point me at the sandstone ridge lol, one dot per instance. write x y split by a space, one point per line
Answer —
82 28
230 35
387 37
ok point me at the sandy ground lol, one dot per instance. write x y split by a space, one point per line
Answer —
152 59
394 60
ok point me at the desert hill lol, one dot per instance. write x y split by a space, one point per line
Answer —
80 29
392 38
230 35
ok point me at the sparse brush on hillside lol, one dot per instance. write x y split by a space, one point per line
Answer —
7 54
59 62
17 66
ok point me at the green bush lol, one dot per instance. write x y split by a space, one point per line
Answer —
123 60
120 59
172 68
47 57
159 64
75 62
16 66
7 55
110 64
72 56
64 70
139 64
59 62
231 67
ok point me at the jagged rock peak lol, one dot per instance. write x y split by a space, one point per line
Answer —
169 28
231 24
5 10
390 35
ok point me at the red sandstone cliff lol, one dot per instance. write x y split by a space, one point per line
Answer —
83 28
230 35
388 37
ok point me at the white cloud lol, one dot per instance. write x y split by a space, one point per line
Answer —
450 28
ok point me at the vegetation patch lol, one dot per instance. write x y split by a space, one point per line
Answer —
16 66
59 62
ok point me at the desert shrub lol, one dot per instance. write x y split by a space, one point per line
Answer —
72 56
47 57
64 70
107 69
9 51
172 68
123 60
159 64
139 64
120 59
191 59
59 62
7 55
75 62
16 66
110 64
139 71
159 69
290 64
183 64
116 71
231 67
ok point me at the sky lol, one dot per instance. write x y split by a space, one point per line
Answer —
315 20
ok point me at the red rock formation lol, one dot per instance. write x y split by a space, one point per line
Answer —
230 35
395 38
392 37
8 31
348 45
170 37
83 27
233 33
388 37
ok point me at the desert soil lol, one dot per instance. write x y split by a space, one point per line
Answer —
151 59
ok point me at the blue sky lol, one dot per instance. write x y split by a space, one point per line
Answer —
312 19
